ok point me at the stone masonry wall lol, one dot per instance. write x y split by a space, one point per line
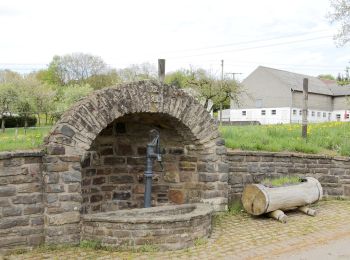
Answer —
252 167
21 200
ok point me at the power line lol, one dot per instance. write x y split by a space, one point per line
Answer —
250 48
246 42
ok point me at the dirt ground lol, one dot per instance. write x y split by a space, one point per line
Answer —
325 236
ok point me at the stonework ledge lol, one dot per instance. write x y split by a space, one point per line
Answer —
231 152
161 214
24 153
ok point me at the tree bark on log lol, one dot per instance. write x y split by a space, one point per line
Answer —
258 199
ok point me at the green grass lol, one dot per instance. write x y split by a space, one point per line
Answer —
281 181
34 137
331 138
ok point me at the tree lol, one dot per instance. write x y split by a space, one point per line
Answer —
24 104
73 68
229 89
179 78
326 76
340 14
205 84
136 72
104 80
8 96
43 97
67 96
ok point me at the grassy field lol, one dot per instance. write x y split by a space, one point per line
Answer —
327 138
331 138
9 141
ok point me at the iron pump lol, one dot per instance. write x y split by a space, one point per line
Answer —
153 152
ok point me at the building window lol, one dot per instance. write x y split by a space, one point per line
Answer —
346 116
273 112
258 103
263 112
324 114
300 112
338 116
244 113
318 114
294 111
312 113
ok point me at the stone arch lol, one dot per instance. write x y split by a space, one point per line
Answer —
73 135
80 125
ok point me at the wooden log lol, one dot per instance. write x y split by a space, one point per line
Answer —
307 211
258 199
279 215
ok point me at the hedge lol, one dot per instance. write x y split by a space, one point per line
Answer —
18 121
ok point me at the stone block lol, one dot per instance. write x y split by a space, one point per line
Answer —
37 221
113 160
67 131
96 198
55 150
7 191
13 162
32 160
329 179
120 179
11 222
99 180
64 218
141 160
176 196
124 149
33 209
54 188
74 187
208 177
4 202
347 190
50 198
221 150
27 199
71 176
11 211
223 167
29 188
171 176
186 176
12 241
176 150
123 195
337 171
70 197
56 167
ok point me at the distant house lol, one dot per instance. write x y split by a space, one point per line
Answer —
275 96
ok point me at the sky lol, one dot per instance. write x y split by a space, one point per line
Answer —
282 34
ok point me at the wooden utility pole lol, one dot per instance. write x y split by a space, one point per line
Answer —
161 70
305 107
221 85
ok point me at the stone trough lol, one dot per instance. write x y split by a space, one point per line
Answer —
165 227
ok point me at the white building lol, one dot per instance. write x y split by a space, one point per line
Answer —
275 96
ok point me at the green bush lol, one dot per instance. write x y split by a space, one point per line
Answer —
18 121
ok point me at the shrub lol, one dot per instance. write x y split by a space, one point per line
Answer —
18 121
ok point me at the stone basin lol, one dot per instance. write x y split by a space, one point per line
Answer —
165 227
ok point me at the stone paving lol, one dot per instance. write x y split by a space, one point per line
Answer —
239 237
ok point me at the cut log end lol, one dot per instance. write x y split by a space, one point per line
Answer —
254 200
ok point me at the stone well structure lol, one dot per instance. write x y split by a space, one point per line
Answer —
95 156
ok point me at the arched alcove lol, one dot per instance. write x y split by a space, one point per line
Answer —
96 155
